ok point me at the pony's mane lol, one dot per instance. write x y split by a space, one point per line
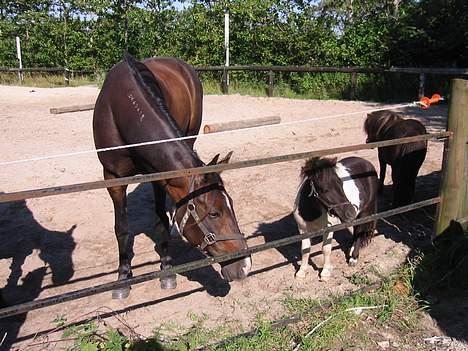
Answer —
316 165
146 80
378 122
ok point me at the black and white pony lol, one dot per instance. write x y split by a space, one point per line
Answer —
405 159
332 192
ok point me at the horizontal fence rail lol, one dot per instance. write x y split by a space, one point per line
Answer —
78 187
45 70
264 68
53 300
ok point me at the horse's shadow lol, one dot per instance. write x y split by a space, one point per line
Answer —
142 220
22 237
413 228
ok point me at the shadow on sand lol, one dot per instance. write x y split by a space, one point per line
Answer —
22 237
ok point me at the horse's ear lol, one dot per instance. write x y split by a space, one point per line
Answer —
213 161
226 158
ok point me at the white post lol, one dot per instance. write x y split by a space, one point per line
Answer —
226 42
18 55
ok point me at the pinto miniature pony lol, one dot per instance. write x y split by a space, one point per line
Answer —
405 159
332 192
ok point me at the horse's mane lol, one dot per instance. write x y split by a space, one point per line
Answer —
146 80
378 122
316 165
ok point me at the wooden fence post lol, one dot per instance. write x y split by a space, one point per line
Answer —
453 207
271 82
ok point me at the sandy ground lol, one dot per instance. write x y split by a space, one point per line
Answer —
64 243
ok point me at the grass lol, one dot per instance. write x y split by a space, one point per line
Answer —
333 321
42 80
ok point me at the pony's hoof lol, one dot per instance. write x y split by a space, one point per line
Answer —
301 274
352 262
168 282
120 294
325 275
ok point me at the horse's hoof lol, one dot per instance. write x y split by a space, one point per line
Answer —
168 282
300 274
120 294
324 278
352 262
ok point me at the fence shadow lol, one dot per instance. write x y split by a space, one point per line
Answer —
142 220
286 227
22 236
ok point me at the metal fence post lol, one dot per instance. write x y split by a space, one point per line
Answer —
453 208
422 81
66 75
352 93
271 82
225 86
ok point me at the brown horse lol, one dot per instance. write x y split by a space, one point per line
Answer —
161 98
405 159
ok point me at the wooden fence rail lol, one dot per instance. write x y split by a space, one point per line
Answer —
190 266
73 188
353 71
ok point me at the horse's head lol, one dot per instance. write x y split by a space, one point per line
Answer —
377 123
207 219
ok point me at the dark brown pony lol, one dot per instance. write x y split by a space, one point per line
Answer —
405 159
161 98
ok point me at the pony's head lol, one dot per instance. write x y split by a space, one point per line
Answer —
207 219
327 187
378 122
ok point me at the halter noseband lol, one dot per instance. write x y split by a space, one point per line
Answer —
209 238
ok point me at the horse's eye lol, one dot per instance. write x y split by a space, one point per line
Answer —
214 214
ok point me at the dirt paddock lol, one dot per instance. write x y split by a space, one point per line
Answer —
64 243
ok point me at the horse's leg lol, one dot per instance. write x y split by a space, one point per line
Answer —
362 235
326 272
162 227
305 267
397 186
382 169
119 198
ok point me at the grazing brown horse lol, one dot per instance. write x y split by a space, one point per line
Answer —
405 159
161 98
332 192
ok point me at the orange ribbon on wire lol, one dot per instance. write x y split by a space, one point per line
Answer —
426 102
